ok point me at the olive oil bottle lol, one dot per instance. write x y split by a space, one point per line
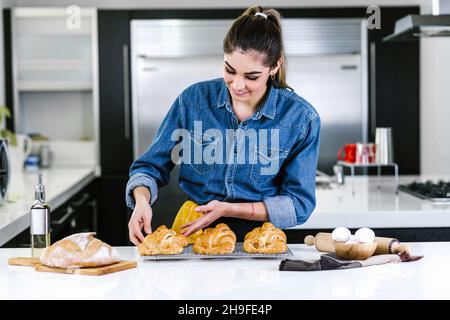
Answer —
40 221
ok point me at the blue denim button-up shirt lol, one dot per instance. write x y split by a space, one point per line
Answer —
270 157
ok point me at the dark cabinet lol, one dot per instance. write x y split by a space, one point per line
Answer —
114 214
395 89
114 91
116 151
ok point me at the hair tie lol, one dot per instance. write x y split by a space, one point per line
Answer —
261 14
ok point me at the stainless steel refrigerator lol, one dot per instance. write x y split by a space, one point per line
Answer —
326 65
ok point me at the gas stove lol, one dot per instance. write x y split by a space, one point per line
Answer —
434 191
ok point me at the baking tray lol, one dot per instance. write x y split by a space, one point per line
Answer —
238 253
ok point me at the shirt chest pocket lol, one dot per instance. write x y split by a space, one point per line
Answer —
266 164
202 151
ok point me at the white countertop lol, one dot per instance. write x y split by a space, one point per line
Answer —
232 279
375 207
61 183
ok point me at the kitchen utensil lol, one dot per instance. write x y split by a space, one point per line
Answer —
5 169
384 146
20 152
238 253
347 153
365 153
324 242
354 251
46 156
94 271
339 174
23 261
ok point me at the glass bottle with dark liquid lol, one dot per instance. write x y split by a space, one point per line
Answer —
40 221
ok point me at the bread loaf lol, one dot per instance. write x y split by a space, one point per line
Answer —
265 239
163 241
78 251
218 240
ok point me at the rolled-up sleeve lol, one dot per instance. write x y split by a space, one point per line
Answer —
297 198
152 169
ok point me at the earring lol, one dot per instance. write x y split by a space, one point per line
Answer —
272 76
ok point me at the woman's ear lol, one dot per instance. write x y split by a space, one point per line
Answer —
277 66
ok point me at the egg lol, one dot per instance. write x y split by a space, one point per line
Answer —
341 234
365 235
352 239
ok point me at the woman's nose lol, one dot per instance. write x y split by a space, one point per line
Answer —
238 84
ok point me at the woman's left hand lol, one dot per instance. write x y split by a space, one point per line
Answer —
211 212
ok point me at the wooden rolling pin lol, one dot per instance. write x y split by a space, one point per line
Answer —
324 242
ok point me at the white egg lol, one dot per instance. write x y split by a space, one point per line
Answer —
341 234
365 235
352 239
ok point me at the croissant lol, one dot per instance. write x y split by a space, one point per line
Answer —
79 250
218 240
163 241
265 239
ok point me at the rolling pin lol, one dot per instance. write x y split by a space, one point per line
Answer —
324 242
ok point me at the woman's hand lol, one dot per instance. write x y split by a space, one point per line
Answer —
211 212
141 217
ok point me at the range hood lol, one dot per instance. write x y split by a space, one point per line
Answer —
414 26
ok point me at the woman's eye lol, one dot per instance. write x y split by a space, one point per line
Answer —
252 78
229 71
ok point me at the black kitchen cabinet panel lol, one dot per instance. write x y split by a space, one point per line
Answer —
113 212
395 90
114 86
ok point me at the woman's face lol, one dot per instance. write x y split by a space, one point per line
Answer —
245 75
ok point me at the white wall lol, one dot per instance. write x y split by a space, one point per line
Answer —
2 64
435 106
434 102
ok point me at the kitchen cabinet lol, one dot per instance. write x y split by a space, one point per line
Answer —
115 124
394 89
114 214
78 214
114 90
51 79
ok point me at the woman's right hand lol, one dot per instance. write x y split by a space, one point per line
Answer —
141 218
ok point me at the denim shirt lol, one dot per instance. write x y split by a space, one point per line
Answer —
270 157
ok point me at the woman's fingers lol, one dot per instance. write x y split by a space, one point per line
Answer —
147 225
133 239
186 225
198 224
205 208
137 227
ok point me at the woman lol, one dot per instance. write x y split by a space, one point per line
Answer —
264 169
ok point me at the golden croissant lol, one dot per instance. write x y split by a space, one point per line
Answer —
218 240
265 239
163 241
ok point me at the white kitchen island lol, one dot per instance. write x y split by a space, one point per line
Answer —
236 279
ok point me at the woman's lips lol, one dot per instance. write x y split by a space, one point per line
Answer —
240 94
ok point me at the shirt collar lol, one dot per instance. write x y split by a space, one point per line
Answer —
267 109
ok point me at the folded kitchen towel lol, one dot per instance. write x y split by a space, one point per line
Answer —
330 261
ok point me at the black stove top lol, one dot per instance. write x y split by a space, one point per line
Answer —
434 191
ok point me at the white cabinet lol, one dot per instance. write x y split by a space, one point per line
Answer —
55 79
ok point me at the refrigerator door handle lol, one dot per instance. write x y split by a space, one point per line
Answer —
373 84
126 92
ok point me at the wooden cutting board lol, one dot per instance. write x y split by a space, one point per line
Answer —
94 271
